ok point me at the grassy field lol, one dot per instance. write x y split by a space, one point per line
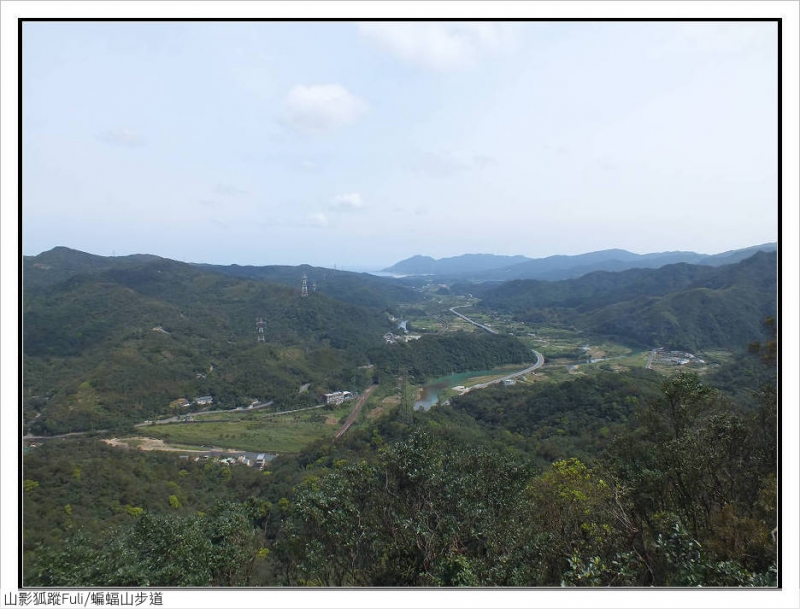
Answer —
277 434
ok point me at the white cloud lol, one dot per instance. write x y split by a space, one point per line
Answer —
322 108
318 219
123 137
727 37
309 166
347 202
438 46
719 39
447 164
229 189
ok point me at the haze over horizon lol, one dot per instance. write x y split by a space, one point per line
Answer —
377 268
363 144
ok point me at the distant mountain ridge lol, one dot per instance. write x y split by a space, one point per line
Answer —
490 267
59 264
686 306
425 265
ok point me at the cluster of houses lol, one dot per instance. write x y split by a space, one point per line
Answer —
676 358
392 338
260 461
203 400
337 397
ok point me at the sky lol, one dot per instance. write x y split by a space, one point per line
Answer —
359 144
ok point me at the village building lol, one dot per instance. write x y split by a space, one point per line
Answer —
337 397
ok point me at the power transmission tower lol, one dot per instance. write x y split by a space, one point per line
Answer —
304 287
405 409
260 326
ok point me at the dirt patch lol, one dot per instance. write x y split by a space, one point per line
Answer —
142 443
331 419
376 412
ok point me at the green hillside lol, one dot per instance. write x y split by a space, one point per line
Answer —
360 289
610 477
681 305
117 346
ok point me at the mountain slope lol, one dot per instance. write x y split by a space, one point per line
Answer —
117 346
481 267
360 289
61 263
466 264
681 305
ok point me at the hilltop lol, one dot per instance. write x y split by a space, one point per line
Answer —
488 267
111 341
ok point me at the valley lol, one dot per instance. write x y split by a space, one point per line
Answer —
407 301
153 374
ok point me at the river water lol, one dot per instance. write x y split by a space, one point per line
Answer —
431 391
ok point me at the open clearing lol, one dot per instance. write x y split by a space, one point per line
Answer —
274 434
142 443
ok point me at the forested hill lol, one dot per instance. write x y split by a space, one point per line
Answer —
361 289
118 345
61 263
458 265
486 267
679 305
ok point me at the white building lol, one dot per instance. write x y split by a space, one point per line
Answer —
337 397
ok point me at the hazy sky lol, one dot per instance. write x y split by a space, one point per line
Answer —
360 144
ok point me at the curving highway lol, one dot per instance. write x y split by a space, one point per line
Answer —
539 363
539 357
474 323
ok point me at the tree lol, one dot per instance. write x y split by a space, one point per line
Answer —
574 506
685 400
216 549
426 513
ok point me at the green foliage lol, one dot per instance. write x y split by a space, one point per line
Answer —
438 355
564 419
697 476
424 514
642 483
678 306
155 550
449 506
116 487
574 506
108 348
360 289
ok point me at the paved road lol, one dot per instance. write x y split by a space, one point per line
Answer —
539 363
63 435
202 413
539 357
474 323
